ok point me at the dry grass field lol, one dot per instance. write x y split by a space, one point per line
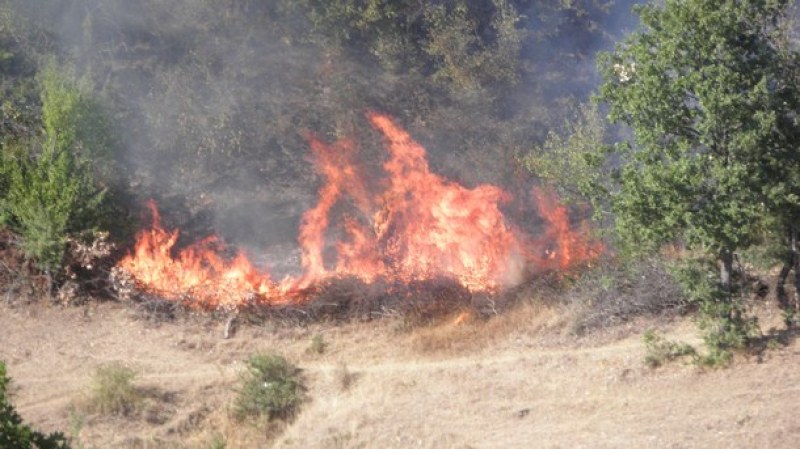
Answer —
519 380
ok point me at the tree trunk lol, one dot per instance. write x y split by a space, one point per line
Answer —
792 262
726 270
796 266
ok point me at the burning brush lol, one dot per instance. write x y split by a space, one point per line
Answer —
421 227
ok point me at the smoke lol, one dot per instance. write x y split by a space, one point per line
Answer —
215 98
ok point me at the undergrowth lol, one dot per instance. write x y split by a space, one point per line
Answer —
720 314
113 391
661 350
14 434
271 387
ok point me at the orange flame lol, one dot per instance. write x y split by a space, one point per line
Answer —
462 318
419 227
197 271
569 247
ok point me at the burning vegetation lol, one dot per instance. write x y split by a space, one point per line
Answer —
418 227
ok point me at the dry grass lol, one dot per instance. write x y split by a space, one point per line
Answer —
515 380
457 335
344 378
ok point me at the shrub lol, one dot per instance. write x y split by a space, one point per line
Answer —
620 289
271 387
16 435
721 315
318 344
113 391
660 350
217 442
344 377
46 190
58 186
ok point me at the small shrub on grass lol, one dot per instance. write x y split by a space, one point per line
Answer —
271 387
318 344
218 442
113 391
618 290
661 350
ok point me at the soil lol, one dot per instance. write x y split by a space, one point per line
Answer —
520 380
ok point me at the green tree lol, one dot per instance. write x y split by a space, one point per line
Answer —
708 90
709 93
56 186
572 160
462 45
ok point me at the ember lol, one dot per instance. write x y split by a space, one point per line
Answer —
421 226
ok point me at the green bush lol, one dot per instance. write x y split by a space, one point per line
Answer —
16 435
113 391
271 387
318 344
46 192
660 350
58 186
721 315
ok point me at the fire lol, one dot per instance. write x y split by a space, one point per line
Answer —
570 247
419 226
462 318
198 271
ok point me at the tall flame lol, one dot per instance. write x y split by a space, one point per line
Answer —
420 226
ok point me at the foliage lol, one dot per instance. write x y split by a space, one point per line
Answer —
58 186
318 344
721 315
20 108
708 91
271 387
16 435
463 45
113 391
78 122
710 97
573 161
45 192
660 350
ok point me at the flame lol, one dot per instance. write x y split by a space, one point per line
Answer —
462 318
197 271
563 246
418 226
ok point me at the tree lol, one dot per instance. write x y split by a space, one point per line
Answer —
708 90
572 161
59 187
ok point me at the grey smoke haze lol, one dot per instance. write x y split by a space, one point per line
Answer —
214 100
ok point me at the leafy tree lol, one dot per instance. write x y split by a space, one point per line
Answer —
14 434
461 44
572 160
708 90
